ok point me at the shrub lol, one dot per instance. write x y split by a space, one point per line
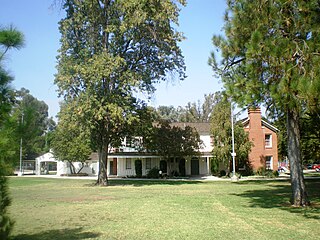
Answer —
222 173
6 223
267 173
138 168
153 173
261 171
214 166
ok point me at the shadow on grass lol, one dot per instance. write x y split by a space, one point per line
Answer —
277 195
62 234
150 182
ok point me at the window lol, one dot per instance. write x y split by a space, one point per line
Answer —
128 163
148 163
128 142
268 140
268 162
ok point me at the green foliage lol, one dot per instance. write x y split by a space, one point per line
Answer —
109 50
214 165
310 137
222 173
170 141
138 167
6 223
262 171
153 173
192 112
9 38
221 130
70 142
273 58
173 143
34 124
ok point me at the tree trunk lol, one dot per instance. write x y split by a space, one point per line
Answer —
82 166
103 159
299 194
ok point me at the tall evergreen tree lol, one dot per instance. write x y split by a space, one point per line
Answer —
109 50
9 38
270 54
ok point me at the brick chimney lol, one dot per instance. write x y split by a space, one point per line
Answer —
254 115
256 136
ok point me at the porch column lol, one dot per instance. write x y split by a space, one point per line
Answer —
208 165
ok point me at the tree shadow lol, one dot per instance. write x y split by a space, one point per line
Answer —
151 182
277 195
61 234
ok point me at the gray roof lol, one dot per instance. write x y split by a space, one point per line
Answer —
203 128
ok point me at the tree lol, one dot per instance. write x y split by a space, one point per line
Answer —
200 112
172 142
9 38
109 50
36 124
71 142
170 113
310 137
192 112
270 55
222 138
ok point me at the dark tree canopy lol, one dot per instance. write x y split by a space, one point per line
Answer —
173 142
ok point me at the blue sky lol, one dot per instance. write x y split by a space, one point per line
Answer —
34 65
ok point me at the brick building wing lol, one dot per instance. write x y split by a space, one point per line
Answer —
263 135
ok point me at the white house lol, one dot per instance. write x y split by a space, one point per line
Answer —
121 161
48 164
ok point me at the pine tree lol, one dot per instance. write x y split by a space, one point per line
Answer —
9 38
270 54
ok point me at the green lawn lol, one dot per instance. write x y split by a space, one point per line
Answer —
67 209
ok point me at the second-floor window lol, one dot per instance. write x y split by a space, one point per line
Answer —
268 140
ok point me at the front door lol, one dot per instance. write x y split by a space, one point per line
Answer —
194 166
182 167
113 167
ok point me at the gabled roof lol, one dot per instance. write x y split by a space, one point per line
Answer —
203 128
264 123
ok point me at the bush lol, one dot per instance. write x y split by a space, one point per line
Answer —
214 166
261 171
6 223
138 168
153 173
267 173
222 173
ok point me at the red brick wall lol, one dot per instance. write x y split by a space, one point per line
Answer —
257 132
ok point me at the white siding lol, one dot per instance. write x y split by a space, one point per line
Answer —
207 147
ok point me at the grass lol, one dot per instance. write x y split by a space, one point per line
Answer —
74 209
